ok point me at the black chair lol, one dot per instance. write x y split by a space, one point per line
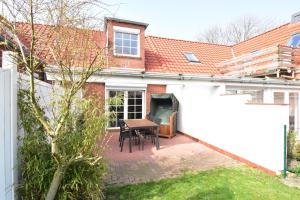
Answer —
141 138
124 133
150 133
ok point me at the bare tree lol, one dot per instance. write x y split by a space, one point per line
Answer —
241 29
69 19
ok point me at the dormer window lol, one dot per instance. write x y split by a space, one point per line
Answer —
295 40
191 57
126 42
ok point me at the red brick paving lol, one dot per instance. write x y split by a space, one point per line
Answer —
174 157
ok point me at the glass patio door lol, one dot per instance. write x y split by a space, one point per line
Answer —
130 105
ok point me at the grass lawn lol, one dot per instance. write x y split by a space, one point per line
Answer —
223 183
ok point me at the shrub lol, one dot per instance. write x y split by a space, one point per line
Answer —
36 162
296 170
291 141
297 152
82 179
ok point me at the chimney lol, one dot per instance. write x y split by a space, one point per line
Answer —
295 18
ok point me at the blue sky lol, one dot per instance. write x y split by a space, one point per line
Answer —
185 19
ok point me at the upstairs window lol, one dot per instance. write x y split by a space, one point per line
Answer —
191 57
126 43
295 40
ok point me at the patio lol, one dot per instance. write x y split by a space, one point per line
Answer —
176 156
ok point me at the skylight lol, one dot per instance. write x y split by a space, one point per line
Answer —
191 57
295 40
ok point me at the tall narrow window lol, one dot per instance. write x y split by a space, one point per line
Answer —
129 106
126 43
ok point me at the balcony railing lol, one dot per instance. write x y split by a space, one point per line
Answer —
277 61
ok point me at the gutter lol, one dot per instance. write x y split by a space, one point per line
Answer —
197 77
186 77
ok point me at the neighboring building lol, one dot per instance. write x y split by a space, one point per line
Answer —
262 70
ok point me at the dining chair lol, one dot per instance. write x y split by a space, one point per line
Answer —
150 133
124 133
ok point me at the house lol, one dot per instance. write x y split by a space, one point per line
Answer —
234 99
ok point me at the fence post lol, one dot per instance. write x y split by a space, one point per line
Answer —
285 152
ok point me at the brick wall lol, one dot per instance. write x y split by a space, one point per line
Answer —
152 89
125 61
95 90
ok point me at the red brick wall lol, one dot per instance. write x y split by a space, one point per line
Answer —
152 89
96 90
123 61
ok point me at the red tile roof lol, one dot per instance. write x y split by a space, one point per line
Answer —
276 36
76 46
166 55
161 54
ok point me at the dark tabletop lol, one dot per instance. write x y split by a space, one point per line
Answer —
140 123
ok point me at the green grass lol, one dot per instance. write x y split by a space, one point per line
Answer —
223 183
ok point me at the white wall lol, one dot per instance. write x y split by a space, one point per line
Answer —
253 132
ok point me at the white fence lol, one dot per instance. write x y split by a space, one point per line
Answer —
9 121
8 130
252 132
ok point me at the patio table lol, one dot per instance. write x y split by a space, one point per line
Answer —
136 124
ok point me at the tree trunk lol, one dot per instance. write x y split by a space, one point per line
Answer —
57 177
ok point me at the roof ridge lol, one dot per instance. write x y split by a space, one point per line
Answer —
53 26
273 29
189 41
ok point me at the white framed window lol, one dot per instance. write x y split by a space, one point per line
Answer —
126 42
130 106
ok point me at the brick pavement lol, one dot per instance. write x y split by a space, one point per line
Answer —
176 156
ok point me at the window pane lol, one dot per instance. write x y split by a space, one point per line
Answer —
133 51
138 94
131 94
119 50
133 43
118 42
118 35
139 101
130 101
138 108
126 43
126 50
130 108
138 116
131 116
295 40
112 108
126 36
113 123
120 116
112 94
134 36
191 57
120 109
